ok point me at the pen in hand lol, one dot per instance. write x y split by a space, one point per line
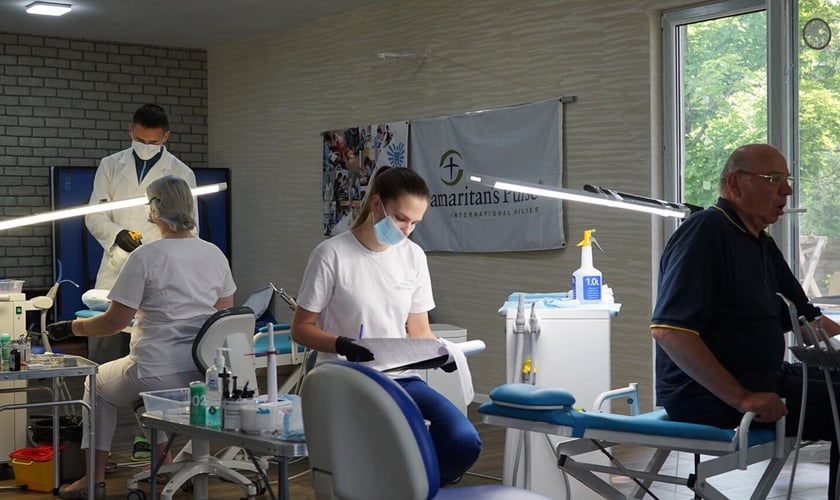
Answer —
361 330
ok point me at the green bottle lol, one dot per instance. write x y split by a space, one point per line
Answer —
198 403
5 344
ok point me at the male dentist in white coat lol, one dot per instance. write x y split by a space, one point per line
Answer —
120 176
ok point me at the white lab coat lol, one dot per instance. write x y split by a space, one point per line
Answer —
116 179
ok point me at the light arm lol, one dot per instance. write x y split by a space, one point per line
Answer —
418 326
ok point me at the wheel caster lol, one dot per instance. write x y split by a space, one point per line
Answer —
136 495
261 487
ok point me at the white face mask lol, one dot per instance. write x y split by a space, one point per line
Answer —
145 151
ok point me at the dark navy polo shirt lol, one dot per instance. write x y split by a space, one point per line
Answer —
718 281
143 166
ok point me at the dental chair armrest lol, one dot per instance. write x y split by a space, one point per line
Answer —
631 392
743 437
742 434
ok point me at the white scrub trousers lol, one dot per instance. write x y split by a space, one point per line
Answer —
118 386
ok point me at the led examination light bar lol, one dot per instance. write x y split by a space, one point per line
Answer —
100 207
606 198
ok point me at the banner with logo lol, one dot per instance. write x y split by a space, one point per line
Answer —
350 159
518 143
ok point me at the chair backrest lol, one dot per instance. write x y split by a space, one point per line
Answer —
232 328
365 436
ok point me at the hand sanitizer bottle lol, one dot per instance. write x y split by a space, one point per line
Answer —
214 390
586 281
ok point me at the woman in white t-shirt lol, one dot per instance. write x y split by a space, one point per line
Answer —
169 287
373 282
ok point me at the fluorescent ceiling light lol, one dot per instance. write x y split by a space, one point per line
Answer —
100 207
48 8
673 210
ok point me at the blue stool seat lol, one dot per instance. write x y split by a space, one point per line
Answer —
554 406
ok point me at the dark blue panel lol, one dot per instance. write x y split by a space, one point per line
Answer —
79 253
214 209
76 252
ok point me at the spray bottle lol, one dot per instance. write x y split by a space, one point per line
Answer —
214 389
586 281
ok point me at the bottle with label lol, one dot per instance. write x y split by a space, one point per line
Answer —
232 406
5 346
198 403
586 281
14 358
214 389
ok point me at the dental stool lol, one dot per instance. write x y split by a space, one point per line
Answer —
232 328
366 438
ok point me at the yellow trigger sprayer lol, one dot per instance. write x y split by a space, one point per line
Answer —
586 281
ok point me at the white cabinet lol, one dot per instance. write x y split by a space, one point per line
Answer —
13 422
571 352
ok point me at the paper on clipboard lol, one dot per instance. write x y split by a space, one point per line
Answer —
413 354
405 354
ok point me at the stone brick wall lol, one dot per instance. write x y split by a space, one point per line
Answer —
68 103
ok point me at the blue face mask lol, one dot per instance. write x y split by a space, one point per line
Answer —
387 232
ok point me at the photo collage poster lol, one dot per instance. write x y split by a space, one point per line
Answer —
351 157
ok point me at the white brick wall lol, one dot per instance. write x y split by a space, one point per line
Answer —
68 103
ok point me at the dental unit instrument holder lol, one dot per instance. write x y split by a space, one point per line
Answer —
814 349
572 351
528 373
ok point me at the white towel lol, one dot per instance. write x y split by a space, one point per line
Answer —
456 354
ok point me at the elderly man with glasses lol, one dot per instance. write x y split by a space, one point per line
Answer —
718 321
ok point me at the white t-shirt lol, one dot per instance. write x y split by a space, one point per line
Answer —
349 285
173 284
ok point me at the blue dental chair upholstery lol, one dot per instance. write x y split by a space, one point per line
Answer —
367 439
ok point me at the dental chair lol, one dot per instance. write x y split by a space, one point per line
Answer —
551 411
232 328
367 439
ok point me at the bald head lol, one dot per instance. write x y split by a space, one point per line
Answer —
750 158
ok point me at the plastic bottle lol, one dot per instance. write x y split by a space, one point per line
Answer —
14 358
214 389
198 403
586 281
5 345
232 406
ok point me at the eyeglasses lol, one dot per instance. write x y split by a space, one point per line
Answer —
774 179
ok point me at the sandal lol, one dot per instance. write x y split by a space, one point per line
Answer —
142 450
65 492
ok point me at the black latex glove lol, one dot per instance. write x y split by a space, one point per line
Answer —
348 348
125 241
60 330
449 367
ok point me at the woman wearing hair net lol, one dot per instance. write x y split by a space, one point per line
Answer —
170 287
